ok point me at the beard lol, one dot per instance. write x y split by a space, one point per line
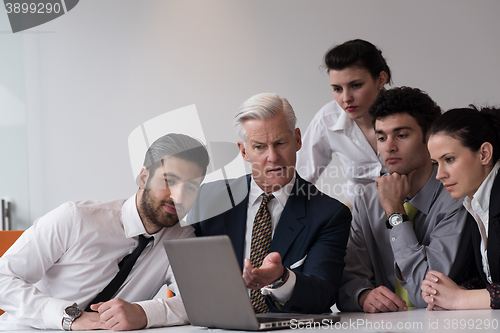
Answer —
155 213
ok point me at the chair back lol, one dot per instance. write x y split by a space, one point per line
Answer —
7 238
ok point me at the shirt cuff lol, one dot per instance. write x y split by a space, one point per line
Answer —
160 312
53 311
283 293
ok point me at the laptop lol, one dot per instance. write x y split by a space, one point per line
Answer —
213 291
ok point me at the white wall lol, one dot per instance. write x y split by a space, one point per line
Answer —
107 66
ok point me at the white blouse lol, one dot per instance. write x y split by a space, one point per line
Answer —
332 132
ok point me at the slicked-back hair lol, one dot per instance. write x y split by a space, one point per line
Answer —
178 146
263 106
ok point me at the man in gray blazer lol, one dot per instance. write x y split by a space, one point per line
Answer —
393 243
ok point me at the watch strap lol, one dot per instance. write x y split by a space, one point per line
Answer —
281 281
71 313
404 218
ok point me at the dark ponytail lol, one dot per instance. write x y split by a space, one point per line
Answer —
472 127
357 53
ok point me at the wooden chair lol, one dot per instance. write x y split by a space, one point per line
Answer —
7 238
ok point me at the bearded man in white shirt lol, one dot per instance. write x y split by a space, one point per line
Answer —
50 277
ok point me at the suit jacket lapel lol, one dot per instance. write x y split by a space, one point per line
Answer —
494 231
289 225
235 219
476 246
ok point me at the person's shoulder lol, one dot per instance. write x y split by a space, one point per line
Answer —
94 204
368 192
312 193
366 200
179 230
92 207
218 197
221 185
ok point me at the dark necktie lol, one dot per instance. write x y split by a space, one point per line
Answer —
261 242
125 267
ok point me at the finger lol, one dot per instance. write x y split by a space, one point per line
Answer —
389 304
273 257
247 264
106 316
398 301
113 324
104 306
95 307
368 305
427 282
250 283
428 299
428 288
370 308
433 276
381 307
379 301
247 273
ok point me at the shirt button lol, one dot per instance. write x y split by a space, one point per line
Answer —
393 239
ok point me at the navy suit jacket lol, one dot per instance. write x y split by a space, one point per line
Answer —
312 224
493 237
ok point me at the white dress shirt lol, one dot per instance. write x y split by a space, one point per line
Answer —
479 208
275 206
72 253
332 132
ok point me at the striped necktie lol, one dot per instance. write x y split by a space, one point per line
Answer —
261 242
411 211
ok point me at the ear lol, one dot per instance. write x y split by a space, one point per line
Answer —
243 151
382 79
298 139
143 177
486 153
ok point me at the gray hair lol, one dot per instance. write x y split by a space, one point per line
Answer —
263 106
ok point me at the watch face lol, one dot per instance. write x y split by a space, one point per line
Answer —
73 311
395 219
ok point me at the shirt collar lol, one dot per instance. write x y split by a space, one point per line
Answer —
281 195
482 195
132 223
424 198
343 123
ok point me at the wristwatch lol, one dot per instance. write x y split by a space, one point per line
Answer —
395 219
281 281
70 314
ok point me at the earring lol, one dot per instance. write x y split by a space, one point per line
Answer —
379 88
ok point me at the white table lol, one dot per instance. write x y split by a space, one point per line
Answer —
414 320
